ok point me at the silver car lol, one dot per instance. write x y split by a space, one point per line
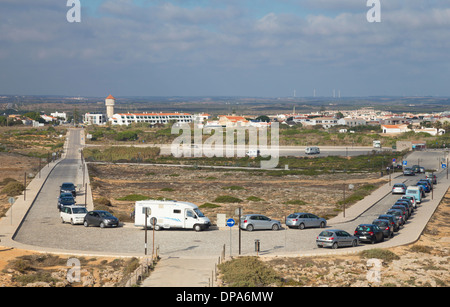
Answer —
302 220
399 188
335 238
252 222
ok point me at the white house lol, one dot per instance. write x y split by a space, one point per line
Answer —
94 118
394 128
351 122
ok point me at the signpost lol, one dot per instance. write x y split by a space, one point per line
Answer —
11 201
230 223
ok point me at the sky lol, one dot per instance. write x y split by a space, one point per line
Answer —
262 48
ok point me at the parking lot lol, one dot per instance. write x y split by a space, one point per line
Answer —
42 227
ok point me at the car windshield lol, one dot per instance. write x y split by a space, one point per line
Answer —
67 199
67 186
393 212
364 228
79 210
199 213
326 233
105 214
380 223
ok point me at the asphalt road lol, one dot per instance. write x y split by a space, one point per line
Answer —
42 226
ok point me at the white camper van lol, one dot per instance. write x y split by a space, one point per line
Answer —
170 214
312 150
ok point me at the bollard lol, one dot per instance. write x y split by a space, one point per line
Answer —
257 246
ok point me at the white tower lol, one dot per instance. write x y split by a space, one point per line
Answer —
109 102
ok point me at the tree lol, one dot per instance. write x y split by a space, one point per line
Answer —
263 118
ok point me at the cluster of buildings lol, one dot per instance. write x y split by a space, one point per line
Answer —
390 123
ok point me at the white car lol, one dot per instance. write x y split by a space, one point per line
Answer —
73 214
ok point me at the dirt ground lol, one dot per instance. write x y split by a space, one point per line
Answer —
274 196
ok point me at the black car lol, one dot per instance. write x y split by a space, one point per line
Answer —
65 200
68 187
404 210
393 222
385 226
369 232
100 218
406 203
398 213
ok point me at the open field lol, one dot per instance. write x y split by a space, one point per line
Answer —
222 191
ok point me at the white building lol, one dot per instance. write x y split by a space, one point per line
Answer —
62 115
351 122
394 128
94 119
149 118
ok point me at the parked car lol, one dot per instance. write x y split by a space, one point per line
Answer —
399 188
252 222
425 186
407 203
68 187
415 168
100 218
335 238
385 226
404 209
408 172
65 199
398 214
432 177
427 182
73 214
302 220
393 222
412 199
369 232
422 169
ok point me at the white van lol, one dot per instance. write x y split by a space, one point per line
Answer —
73 214
170 214
312 150
253 153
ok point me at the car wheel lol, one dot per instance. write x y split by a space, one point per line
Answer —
275 227
301 226
102 225
62 220
71 222
249 227
322 225
334 246
197 228
86 224
354 243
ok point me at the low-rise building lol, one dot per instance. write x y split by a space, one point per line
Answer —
150 118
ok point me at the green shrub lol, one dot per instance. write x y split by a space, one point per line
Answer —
134 197
227 199
254 198
13 188
379 253
209 206
248 272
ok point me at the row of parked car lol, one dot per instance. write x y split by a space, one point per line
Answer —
385 225
298 220
71 213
